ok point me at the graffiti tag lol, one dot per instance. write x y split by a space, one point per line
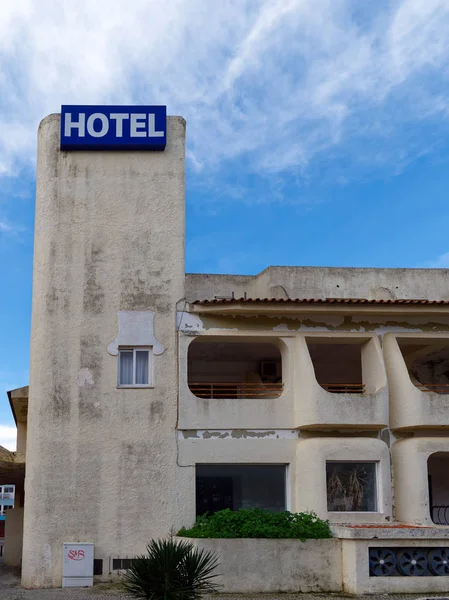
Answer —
75 554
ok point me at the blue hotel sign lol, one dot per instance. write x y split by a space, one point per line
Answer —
113 127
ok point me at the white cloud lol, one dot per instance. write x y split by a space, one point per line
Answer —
5 227
441 262
8 435
9 229
273 85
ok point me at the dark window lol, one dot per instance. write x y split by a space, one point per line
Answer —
121 563
351 486
98 566
116 564
239 486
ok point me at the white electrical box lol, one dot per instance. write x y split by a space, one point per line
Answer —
78 565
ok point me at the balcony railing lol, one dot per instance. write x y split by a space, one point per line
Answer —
344 388
236 390
7 495
440 514
438 388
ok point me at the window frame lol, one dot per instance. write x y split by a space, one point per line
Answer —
377 488
135 349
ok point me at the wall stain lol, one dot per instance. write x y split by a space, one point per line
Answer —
90 356
157 409
89 407
60 402
93 299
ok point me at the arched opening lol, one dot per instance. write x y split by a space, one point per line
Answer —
220 369
438 477
337 364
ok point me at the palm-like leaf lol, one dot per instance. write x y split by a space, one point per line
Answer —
172 570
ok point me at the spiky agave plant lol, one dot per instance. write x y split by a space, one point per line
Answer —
171 570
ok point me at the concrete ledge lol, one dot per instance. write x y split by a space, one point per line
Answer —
390 532
280 565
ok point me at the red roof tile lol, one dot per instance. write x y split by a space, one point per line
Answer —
322 301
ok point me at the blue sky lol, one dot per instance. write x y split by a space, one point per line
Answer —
317 129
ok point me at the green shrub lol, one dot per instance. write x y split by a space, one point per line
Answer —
257 523
172 570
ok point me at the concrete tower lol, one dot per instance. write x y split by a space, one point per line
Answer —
108 272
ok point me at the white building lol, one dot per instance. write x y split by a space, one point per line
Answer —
156 395
6 498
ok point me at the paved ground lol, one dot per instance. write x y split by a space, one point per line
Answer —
94 594
10 590
101 593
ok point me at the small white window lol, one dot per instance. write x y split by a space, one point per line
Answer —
134 369
8 490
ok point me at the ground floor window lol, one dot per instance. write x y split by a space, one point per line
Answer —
351 486
240 486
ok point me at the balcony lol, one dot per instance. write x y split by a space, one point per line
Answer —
234 382
216 391
418 373
341 382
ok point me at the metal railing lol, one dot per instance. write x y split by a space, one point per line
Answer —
440 514
344 388
438 388
7 496
236 390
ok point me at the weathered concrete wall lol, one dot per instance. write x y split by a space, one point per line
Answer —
210 429
12 550
101 461
411 408
410 470
324 282
262 565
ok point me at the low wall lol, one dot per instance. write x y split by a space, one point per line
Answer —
267 565
357 544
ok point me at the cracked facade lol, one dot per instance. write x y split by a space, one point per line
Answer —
342 409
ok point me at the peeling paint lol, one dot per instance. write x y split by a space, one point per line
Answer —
221 434
85 377
322 323
188 434
282 327
215 434
188 322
